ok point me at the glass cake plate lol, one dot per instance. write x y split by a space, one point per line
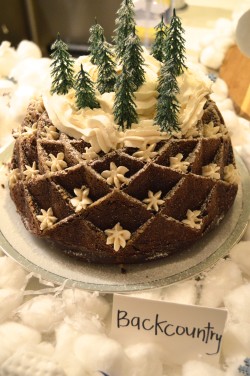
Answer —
52 265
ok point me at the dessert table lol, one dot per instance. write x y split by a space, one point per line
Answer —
48 328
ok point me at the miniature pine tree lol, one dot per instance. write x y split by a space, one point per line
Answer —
158 46
125 23
96 32
134 60
124 105
167 106
175 44
106 68
85 94
62 68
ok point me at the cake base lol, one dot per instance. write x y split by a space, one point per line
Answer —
53 265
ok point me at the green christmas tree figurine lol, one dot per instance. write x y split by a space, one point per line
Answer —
62 68
167 107
96 32
125 23
158 46
175 45
134 60
106 68
124 105
85 93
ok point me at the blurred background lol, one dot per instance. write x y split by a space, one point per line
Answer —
40 20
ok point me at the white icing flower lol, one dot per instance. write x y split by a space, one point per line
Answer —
47 219
231 174
115 176
117 236
192 219
14 175
211 171
31 171
177 164
81 201
57 163
153 200
210 130
50 133
28 131
89 154
146 153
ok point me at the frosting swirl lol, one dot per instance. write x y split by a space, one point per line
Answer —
97 126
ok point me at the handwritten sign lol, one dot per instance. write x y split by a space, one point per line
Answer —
183 331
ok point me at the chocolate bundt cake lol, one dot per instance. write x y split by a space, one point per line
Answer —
145 195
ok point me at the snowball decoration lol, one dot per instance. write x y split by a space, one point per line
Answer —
145 358
42 312
183 292
222 278
12 275
197 368
211 58
236 340
13 336
10 299
27 49
101 353
237 303
8 58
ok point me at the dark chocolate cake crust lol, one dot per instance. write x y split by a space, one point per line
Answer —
153 234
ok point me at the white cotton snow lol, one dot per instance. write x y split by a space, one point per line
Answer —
13 336
10 300
42 312
145 358
219 281
85 302
27 49
98 352
236 341
197 368
237 302
240 254
12 275
183 292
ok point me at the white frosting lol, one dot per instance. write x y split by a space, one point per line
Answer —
56 163
115 176
47 219
177 164
212 171
81 201
31 171
97 126
14 176
153 200
192 219
231 174
194 87
117 236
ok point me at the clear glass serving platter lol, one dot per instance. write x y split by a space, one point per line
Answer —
52 265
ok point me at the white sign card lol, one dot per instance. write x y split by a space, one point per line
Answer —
183 331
